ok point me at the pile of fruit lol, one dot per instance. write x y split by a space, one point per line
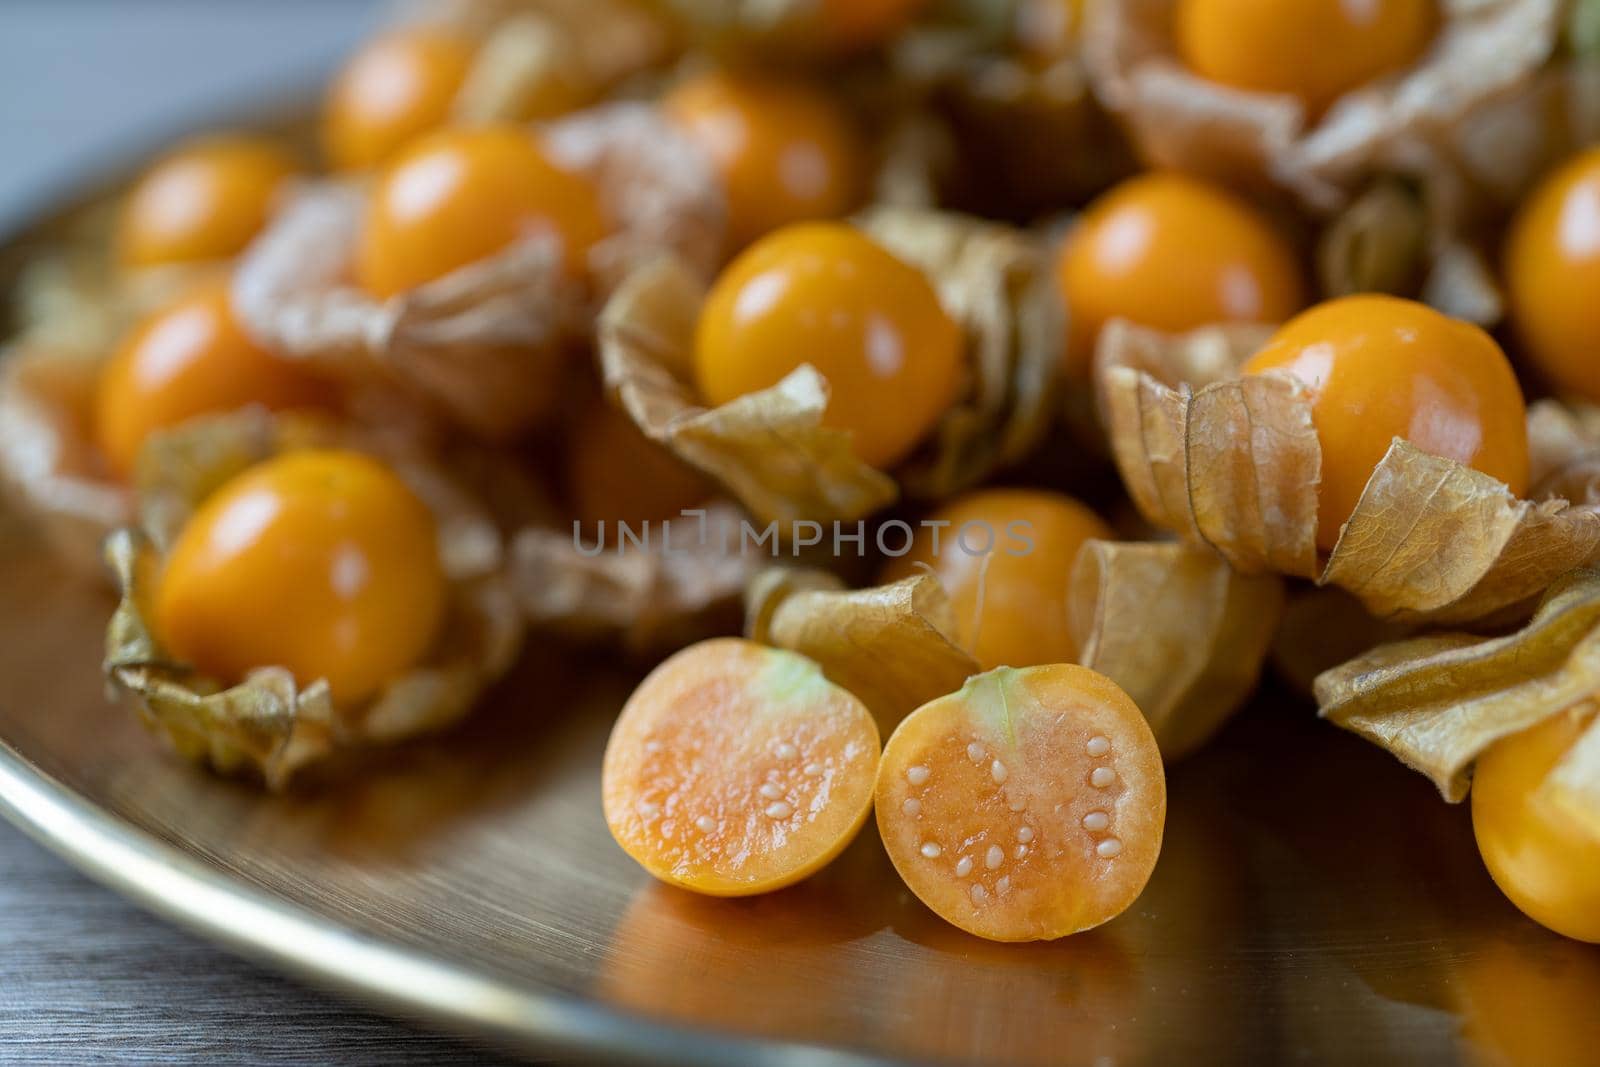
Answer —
1029 376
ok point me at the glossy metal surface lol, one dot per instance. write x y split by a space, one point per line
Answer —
1315 902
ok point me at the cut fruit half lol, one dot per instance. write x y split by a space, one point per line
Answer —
1027 806
737 769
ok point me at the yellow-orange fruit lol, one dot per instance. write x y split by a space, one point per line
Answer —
322 562
826 294
1172 253
1380 368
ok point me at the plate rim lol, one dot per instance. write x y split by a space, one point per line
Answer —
246 920
296 941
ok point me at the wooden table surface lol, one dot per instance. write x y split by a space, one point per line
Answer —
86 977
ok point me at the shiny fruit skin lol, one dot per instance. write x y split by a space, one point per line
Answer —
1172 253
190 358
785 151
1009 603
322 562
737 769
1027 806
1379 368
1315 50
1553 273
459 196
396 88
826 294
1546 865
205 201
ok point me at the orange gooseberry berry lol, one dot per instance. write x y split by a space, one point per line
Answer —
1316 50
1026 806
461 195
828 295
1553 273
784 150
615 474
397 87
1379 368
205 201
323 562
1544 862
191 357
737 769
1172 253
1004 557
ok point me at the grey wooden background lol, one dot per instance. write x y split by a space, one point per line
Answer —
86 977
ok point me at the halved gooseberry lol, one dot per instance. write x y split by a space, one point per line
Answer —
1026 806
737 769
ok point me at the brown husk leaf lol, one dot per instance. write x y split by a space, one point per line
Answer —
488 344
1504 147
1484 49
542 58
1387 241
48 459
1564 451
73 299
999 284
770 449
1235 464
780 29
1437 702
1010 113
1179 630
648 599
268 724
1322 628
891 645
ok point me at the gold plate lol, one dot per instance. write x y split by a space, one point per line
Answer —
1316 902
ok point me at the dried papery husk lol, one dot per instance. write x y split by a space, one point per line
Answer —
658 187
1484 48
999 284
1179 630
778 29
1508 144
74 300
1235 465
1564 451
917 159
1409 238
1387 241
768 448
1437 702
686 584
891 645
1322 628
1032 135
1223 461
542 58
489 344
271 725
49 460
